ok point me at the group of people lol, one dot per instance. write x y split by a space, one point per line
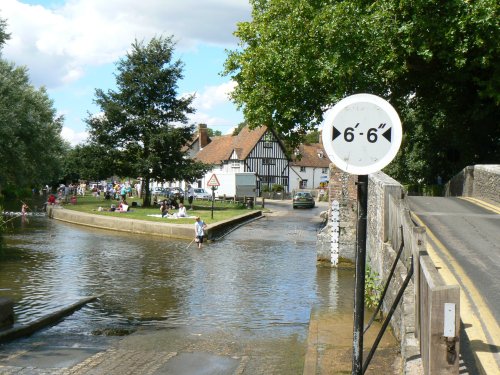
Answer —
122 191
165 206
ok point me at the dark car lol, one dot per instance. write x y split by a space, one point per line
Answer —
303 199
175 193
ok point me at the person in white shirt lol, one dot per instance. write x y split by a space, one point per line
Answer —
182 211
199 231
190 196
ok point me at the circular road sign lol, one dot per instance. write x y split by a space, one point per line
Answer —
362 134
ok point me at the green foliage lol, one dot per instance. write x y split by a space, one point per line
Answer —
213 133
324 197
277 188
312 137
140 120
240 126
31 148
373 289
91 162
436 62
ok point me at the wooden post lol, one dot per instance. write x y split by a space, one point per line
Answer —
440 355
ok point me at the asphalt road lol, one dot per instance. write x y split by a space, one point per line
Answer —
465 237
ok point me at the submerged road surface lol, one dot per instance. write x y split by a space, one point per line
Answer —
239 306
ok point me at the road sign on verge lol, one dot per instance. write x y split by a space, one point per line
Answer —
213 181
362 134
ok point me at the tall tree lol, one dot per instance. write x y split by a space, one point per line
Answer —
31 146
214 133
91 162
437 63
141 119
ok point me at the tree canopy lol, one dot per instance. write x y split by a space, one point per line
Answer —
436 63
144 119
31 147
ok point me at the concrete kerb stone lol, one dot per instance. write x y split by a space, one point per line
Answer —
123 224
33 326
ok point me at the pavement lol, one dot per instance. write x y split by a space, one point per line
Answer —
153 351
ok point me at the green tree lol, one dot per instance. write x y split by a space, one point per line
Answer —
31 148
238 128
91 162
4 36
141 119
213 133
437 63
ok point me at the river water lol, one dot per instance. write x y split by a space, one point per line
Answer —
260 279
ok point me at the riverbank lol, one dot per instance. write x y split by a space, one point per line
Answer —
124 224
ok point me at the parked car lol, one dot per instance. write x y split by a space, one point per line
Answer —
175 192
160 191
200 193
303 199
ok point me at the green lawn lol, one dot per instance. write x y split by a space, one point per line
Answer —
222 211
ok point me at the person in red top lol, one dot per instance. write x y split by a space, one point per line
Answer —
52 199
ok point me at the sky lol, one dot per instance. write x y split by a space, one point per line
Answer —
71 48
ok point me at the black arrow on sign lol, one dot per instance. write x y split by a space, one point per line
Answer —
335 134
387 134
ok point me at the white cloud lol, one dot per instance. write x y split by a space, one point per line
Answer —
214 95
72 136
63 40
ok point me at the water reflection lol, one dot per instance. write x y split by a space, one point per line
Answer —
262 277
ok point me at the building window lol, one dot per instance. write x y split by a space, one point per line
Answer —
324 170
268 144
268 179
302 169
268 161
303 184
235 164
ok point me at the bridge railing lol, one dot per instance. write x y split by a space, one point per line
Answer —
437 305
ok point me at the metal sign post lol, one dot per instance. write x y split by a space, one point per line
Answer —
361 135
213 182
359 286
213 199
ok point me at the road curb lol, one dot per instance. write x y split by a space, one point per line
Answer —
182 231
30 328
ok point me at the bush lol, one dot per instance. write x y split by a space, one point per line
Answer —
373 289
277 188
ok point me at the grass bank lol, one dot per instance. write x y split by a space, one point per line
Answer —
222 210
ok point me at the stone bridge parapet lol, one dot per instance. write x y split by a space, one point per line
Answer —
478 181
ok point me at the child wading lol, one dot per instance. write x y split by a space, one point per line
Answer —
199 230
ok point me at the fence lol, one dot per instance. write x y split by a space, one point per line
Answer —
437 305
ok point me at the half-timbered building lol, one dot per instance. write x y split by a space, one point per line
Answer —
258 150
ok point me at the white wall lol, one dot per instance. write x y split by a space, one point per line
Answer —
312 175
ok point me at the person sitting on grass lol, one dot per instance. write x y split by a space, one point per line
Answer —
164 209
123 206
182 211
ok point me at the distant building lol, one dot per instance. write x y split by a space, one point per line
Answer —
309 167
258 150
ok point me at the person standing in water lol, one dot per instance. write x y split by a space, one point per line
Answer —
199 230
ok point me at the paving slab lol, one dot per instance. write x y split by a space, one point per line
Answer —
199 364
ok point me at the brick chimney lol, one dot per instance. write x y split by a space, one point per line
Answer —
202 135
